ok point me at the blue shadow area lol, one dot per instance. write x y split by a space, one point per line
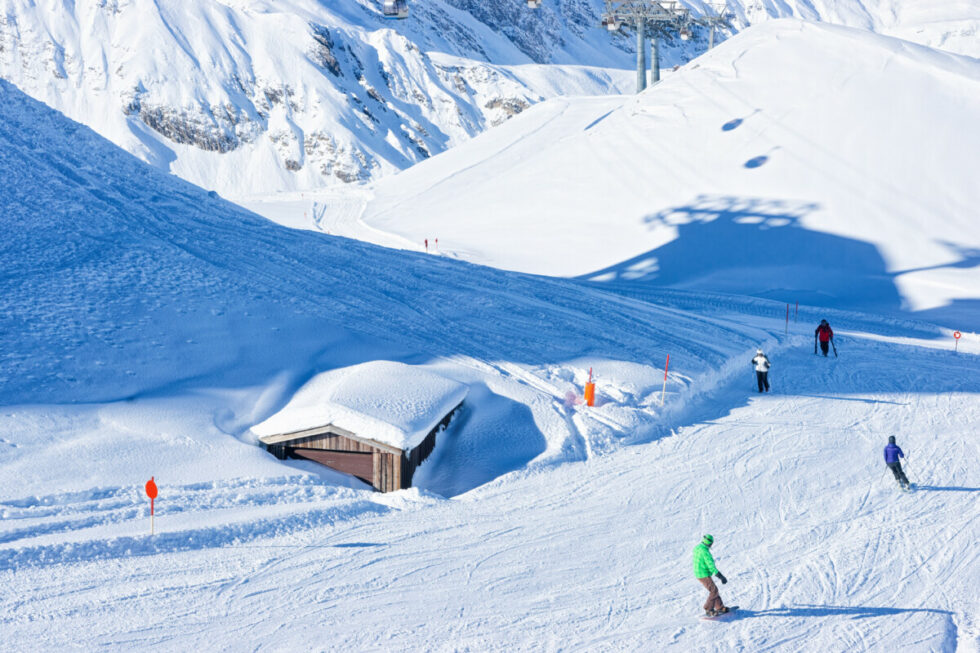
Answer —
855 612
731 124
757 161
761 248
481 445
857 399
937 488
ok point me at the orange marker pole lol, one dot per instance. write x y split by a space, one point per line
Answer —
662 394
151 491
590 391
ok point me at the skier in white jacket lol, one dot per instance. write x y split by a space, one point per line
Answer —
762 366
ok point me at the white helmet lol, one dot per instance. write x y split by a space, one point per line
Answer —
759 350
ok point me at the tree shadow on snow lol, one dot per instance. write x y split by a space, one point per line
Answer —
855 612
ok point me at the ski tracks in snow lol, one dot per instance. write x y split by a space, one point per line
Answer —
821 550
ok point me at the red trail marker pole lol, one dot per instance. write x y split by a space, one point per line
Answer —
956 340
664 392
151 491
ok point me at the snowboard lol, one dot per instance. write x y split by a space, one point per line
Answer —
731 610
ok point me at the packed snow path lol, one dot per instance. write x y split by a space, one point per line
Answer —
821 549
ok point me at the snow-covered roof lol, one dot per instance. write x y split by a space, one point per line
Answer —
385 401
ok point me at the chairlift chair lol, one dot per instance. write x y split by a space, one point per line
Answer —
395 9
685 33
611 23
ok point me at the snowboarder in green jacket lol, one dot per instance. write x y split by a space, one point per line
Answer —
704 568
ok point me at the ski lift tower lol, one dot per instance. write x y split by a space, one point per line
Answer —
639 14
715 16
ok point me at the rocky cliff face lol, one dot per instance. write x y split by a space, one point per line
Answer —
263 95
294 94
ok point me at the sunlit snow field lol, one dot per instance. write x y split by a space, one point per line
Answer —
149 325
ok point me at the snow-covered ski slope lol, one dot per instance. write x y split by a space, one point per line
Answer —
796 161
821 549
147 325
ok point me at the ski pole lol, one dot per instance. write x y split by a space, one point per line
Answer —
834 346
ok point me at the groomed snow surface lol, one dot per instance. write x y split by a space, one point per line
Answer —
149 325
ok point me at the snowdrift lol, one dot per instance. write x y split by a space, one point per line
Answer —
124 284
796 161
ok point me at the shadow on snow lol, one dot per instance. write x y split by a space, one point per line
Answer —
855 612
761 248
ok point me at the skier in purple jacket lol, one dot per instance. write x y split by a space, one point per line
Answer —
892 453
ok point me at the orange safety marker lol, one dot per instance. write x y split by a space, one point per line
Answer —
590 391
956 339
151 491
666 365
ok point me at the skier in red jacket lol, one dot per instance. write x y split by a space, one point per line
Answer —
824 334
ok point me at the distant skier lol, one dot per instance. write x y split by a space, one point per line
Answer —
704 567
892 453
762 366
825 335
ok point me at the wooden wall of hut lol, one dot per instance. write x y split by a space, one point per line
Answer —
392 469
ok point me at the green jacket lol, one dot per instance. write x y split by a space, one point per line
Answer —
704 564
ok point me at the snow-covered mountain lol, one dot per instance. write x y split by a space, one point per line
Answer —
952 25
272 95
851 173
248 97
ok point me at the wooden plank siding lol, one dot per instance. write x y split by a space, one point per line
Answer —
355 463
390 468
331 442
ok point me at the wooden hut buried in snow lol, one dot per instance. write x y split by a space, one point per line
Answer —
377 421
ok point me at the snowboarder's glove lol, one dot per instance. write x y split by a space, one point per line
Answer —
721 577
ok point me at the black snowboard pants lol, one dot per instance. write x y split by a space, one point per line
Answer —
825 346
899 474
763 379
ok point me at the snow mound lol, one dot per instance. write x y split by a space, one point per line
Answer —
392 403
